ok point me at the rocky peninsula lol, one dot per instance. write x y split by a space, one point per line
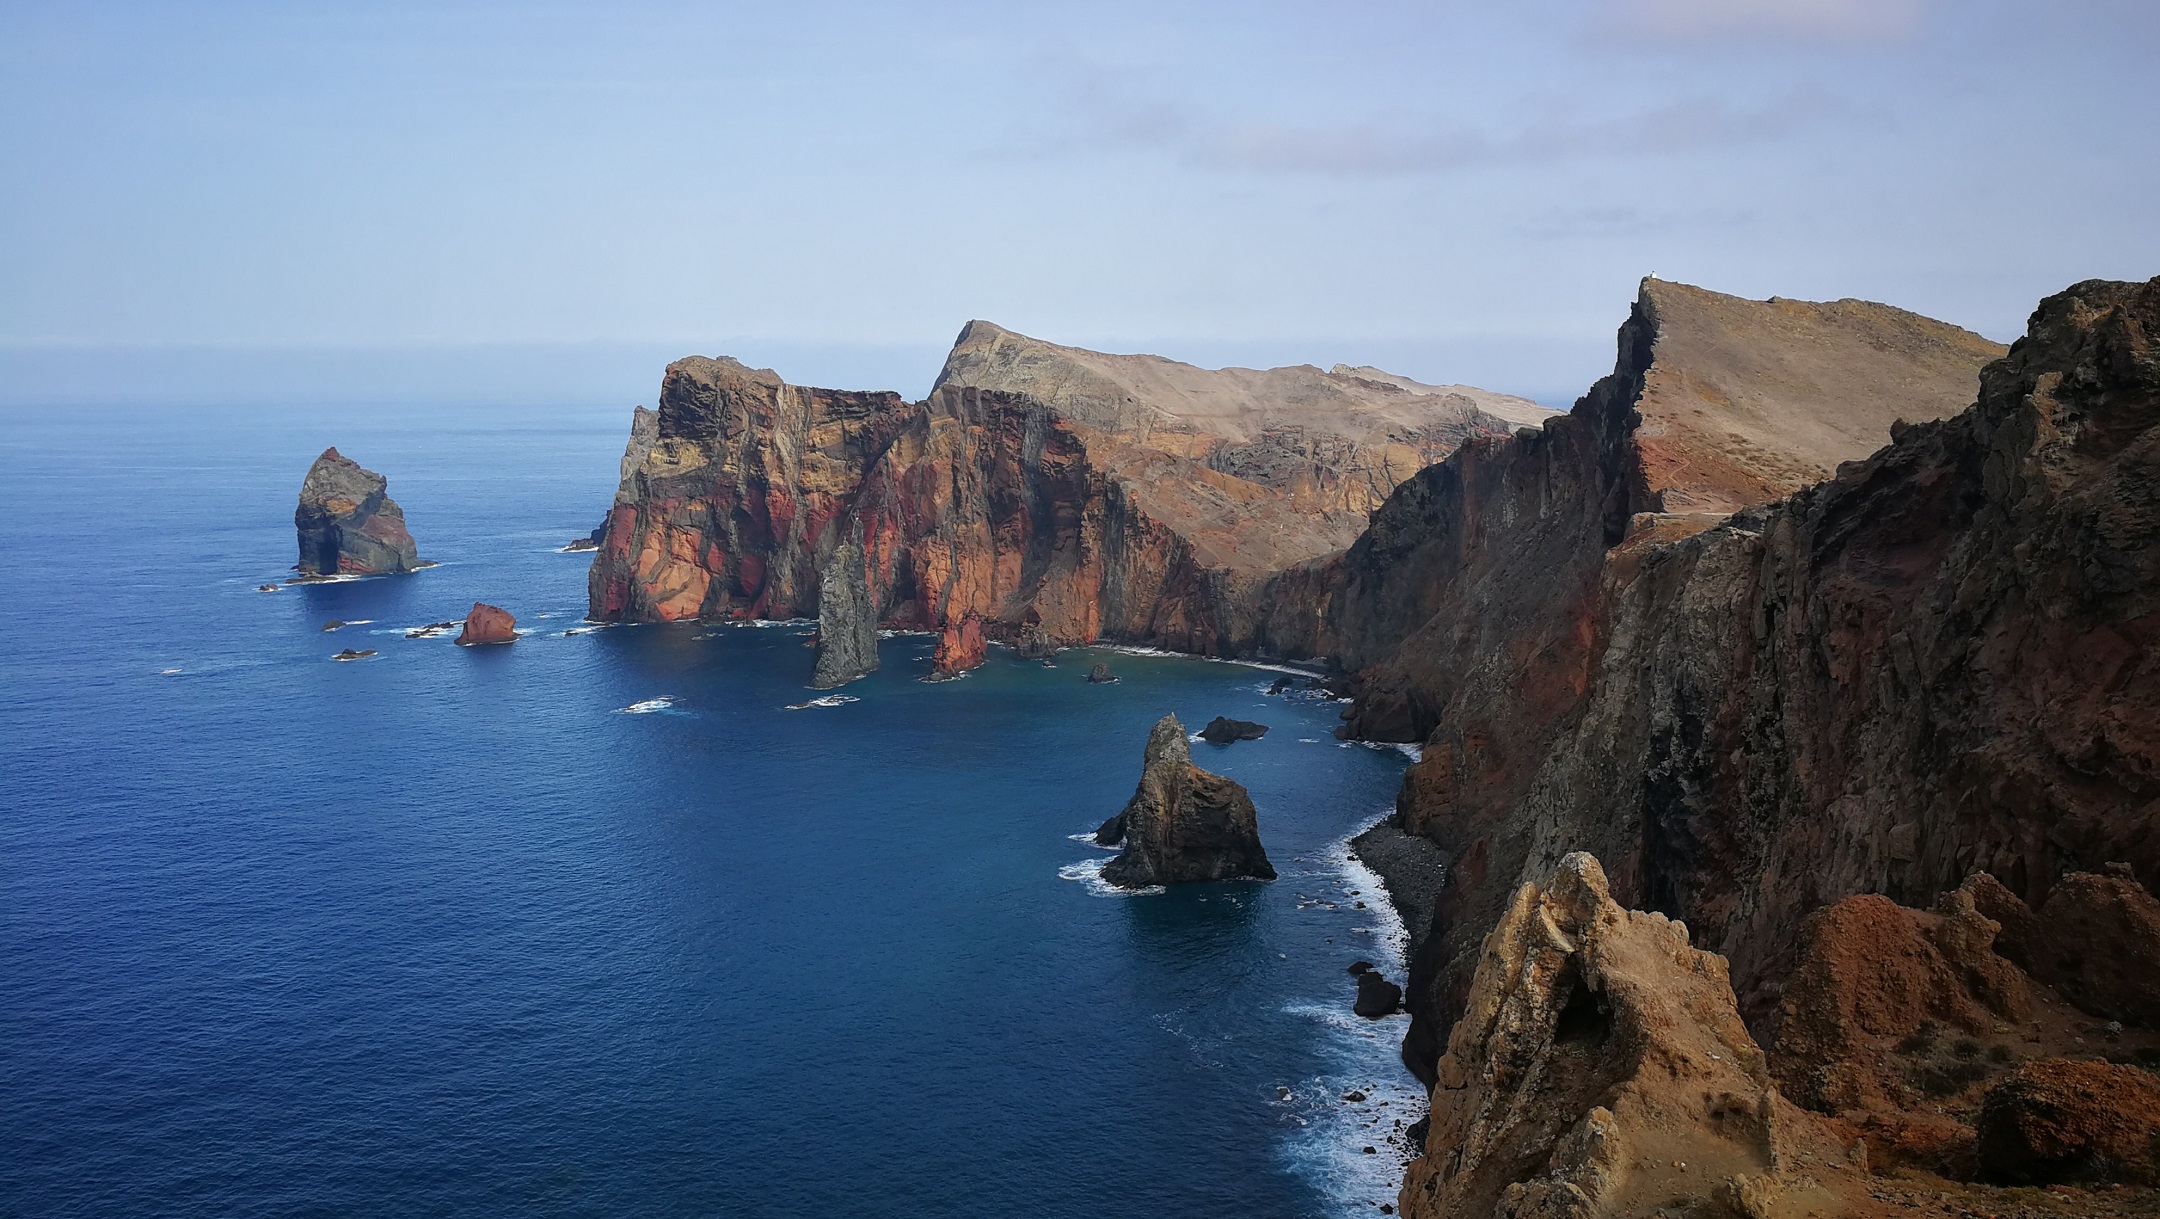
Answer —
347 523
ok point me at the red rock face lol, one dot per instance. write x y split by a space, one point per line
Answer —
487 624
960 648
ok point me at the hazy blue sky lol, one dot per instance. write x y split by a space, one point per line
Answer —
443 194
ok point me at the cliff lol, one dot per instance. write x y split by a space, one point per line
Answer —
1030 490
1183 823
347 522
1937 661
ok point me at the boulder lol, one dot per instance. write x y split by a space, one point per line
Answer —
847 618
2060 1120
1222 730
1183 823
487 624
348 524
1100 675
1376 996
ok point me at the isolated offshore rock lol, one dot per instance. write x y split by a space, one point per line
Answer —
960 648
1222 730
1601 1068
1183 823
487 624
847 618
1100 675
348 524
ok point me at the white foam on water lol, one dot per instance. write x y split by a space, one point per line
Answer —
664 703
1327 1147
763 623
1089 873
168 672
1086 836
1308 740
884 633
1415 753
830 700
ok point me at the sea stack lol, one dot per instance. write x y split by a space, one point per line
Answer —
487 624
1222 730
1184 823
959 649
348 524
847 619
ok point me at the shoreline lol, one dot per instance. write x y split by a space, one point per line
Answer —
1412 871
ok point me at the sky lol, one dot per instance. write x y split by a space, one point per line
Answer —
213 200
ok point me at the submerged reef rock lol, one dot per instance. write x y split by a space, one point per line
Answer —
1184 823
487 624
959 649
847 619
1601 1068
348 524
1222 730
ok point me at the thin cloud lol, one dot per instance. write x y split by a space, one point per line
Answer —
1103 120
1836 22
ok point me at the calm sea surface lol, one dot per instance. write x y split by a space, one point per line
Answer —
458 932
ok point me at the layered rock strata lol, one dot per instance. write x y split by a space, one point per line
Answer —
847 619
1056 504
348 524
1183 823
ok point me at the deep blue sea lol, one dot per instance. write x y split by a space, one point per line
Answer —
494 931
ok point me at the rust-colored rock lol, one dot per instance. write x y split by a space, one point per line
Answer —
487 624
959 649
1023 491
1871 976
2072 1121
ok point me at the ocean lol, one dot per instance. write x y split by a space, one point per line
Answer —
595 923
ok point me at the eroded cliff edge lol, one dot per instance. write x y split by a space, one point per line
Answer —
1937 661
1068 494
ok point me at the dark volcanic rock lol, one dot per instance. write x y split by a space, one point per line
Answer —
1111 832
1100 675
348 524
1376 996
487 624
334 624
847 619
2072 1121
1184 823
578 545
354 654
1222 730
1032 642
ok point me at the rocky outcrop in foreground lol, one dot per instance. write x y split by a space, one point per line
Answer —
1600 1067
348 524
847 619
1182 822
487 624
